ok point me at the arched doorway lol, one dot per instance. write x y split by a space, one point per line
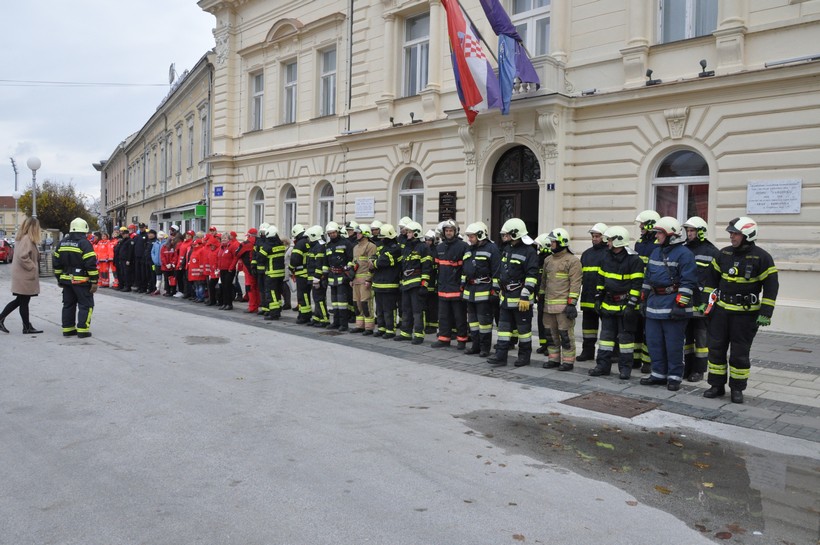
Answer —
515 189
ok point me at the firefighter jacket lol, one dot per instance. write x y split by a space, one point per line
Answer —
416 264
620 278
261 250
704 252
272 252
74 261
739 275
590 263
338 260
387 267
669 283
519 270
297 257
645 245
168 256
543 253
561 281
315 260
433 282
449 259
196 261
482 265
363 253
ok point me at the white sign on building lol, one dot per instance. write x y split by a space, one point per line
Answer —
773 197
365 207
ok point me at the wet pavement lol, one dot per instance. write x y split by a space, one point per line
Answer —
729 492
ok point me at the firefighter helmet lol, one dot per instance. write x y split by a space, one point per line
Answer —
78 225
670 227
263 229
543 240
515 227
745 226
618 236
375 224
599 228
699 224
448 224
431 235
415 227
297 230
560 236
331 226
479 229
314 233
272 231
387 231
647 219
351 226
404 222
364 229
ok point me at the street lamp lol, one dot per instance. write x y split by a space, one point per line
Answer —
33 163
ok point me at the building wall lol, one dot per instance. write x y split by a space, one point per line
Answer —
598 131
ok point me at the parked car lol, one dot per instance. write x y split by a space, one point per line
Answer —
6 251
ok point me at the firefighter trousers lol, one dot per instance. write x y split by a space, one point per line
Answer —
696 349
665 342
731 332
387 304
452 316
78 306
413 302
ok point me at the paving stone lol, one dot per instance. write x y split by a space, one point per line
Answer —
792 390
797 400
801 421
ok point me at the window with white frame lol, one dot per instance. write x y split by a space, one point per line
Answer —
289 212
179 149
681 186
191 143
289 113
411 197
258 207
416 54
326 198
327 85
203 144
684 19
257 100
532 21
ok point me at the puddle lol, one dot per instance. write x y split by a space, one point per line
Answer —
730 492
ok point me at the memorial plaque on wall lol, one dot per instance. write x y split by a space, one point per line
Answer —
773 196
447 205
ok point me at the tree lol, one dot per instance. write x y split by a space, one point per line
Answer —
57 205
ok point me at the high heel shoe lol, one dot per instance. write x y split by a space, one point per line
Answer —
28 329
3 327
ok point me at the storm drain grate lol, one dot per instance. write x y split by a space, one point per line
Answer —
611 404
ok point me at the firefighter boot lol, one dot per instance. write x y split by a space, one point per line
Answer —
524 353
486 341
475 347
499 359
587 351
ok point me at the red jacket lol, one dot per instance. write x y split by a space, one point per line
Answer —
168 257
210 257
183 248
226 259
196 263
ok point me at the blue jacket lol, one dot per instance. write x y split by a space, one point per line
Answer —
671 271
155 248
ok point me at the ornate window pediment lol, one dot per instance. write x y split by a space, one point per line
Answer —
284 28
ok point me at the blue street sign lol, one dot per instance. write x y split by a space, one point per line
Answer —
218 190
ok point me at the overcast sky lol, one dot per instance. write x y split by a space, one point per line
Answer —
86 41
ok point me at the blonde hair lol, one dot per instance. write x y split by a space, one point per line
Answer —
31 229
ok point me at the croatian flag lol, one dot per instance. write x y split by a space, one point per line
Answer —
513 61
476 82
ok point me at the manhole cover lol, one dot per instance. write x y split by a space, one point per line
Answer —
206 340
331 333
611 404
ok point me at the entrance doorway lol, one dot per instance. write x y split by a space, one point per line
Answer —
515 190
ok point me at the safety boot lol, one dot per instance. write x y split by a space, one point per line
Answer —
737 396
499 359
715 391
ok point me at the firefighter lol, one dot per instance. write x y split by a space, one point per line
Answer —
75 266
315 263
590 262
416 265
644 247
350 233
362 284
452 309
617 295
669 283
561 284
543 245
386 277
273 252
738 276
696 348
259 262
376 232
482 266
518 279
430 315
338 263
298 270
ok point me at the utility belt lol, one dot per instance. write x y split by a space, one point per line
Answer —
665 290
740 299
617 297
482 280
411 272
513 286
337 270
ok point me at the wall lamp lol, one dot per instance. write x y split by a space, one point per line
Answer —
705 73
412 120
649 80
589 92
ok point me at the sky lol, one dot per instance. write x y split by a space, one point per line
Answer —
70 127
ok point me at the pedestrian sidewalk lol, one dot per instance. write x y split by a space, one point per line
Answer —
783 396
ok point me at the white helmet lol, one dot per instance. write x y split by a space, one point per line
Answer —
78 225
263 229
515 227
618 236
451 224
699 224
431 235
671 228
375 224
404 222
332 226
364 229
314 233
387 231
351 226
647 219
745 226
560 236
543 240
599 228
272 231
479 229
415 227
297 230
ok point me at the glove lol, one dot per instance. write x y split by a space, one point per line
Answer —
523 304
94 290
678 313
599 297
631 319
571 312
763 321
700 308
682 300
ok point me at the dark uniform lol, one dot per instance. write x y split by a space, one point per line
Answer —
315 263
386 277
482 266
416 265
644 247
590 264
696 348
338 261
75 266
273 252
452 309
298 269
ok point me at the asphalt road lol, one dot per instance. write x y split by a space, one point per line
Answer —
175 428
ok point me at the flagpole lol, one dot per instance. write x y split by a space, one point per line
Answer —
480 37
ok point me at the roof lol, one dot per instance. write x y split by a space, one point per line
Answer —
6 202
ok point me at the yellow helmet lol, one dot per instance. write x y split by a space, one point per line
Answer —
388 231
296 230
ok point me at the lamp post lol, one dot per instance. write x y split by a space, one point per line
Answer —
33 163
16 195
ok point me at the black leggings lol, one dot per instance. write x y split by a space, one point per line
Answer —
20 301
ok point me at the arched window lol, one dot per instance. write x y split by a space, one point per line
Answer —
258 208
289 212
326 198
681 186
517 166
411 197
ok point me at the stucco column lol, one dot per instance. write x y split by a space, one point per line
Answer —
430 95
730 36
637 44
384 104
559 23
